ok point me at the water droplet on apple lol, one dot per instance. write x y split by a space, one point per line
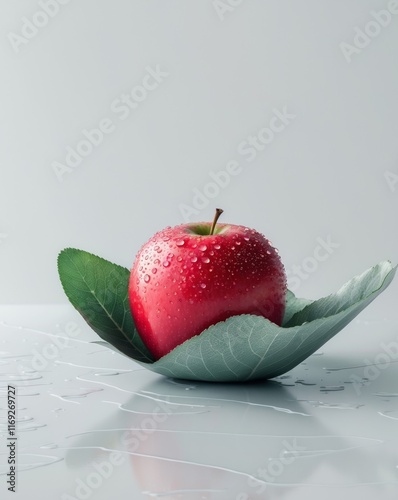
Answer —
194 259
206 260
203 285
217 247
158 250
154 270
179 258
147 278
180 243
165 238
170 256
166 263
203 248
211 252
246 238
268 252
238 242
156 261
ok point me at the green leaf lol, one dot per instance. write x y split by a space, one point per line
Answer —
353 292
293 305
98 289
242 348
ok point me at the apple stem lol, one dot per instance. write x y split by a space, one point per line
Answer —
219 211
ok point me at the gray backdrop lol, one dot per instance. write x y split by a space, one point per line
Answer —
121 117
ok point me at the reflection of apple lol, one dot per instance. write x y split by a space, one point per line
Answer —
209 441
186 278
201 450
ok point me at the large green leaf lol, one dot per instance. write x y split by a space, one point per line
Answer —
98 290
244 347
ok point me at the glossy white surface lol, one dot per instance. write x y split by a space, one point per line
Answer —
328 428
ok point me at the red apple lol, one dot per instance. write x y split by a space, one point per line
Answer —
191 276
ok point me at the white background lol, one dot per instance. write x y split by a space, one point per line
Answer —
332 172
